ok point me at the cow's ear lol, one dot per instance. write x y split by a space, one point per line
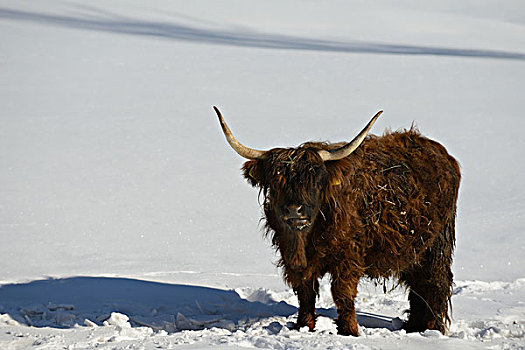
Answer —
251 171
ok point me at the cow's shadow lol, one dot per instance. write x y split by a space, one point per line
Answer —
65 302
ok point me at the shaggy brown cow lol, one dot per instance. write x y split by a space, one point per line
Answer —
378 206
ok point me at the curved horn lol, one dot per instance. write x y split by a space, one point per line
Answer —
242 150
344 151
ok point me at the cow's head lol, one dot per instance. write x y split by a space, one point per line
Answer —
291 179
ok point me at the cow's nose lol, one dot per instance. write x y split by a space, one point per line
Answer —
294 211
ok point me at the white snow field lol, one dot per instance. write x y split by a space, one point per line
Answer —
124 220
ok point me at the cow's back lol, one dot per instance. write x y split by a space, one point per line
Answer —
403 188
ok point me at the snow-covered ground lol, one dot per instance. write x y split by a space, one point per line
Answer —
124 222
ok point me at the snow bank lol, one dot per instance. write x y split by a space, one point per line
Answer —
141 312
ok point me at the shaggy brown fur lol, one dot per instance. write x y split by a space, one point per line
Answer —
386 210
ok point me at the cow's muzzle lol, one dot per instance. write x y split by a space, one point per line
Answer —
296 216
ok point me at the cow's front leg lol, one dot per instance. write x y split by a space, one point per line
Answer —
306 293
344 291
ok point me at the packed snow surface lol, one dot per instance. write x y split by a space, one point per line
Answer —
124 221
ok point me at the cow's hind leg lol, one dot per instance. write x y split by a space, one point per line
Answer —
307 293
430 285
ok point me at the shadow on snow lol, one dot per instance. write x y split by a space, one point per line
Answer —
62 303
94 19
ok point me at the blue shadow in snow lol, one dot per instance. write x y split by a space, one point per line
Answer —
62 303
98 20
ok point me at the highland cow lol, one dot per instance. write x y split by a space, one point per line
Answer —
378 206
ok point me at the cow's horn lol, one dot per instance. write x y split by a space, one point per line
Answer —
346 150
242 150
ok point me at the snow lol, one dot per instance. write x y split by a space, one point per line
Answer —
101 312
124 222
